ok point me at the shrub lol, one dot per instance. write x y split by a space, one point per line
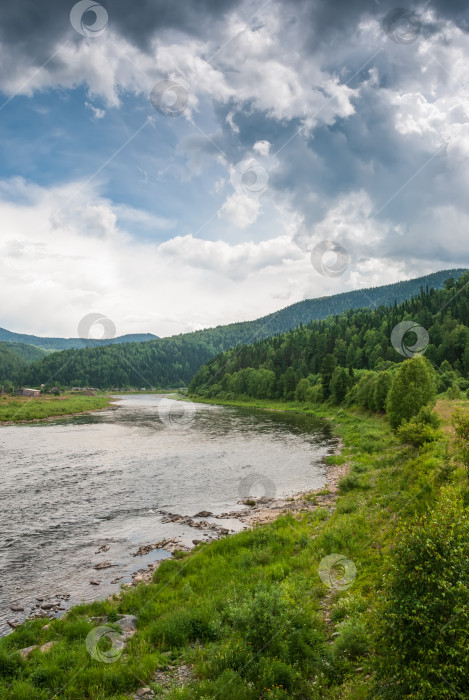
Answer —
351 641
454 391
184 626
349 482
420 429
423 618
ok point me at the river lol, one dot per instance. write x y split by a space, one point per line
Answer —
100 481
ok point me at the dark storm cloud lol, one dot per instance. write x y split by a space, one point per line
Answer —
34 29
341 16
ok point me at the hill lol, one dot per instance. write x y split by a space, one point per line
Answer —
174 361
55 344
29 353
322 357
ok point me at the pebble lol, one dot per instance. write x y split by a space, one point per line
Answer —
94 583
16 608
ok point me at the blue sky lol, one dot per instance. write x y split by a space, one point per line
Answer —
295 125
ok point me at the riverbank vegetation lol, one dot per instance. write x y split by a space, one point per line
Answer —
257 616
22 408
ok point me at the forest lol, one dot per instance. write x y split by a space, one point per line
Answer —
173 362
348 356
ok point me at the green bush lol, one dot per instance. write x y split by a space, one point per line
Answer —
352 641
184 626
420 429
423 618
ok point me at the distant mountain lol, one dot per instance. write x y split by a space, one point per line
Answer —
174 361
54 344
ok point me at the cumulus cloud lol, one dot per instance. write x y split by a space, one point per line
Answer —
78 260
363 141
240 210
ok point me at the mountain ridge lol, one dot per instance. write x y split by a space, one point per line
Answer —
55 344
173 361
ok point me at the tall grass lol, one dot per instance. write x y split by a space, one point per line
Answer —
250 612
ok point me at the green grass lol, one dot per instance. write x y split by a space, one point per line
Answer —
22 408
250 612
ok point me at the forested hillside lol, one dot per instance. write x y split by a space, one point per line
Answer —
12 366
29 353
174 361
324 358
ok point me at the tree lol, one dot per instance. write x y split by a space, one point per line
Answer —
381 390
301 390
328 366
339 384
413 386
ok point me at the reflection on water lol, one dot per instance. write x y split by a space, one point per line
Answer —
72 486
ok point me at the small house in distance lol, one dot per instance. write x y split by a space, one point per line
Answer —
35 393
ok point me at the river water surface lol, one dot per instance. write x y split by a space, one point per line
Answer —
72 486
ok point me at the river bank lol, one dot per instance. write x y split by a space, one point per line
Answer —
22 409
104 496
201 624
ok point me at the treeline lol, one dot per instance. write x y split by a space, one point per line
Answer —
347 357
174 361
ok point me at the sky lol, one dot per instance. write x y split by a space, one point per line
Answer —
174 165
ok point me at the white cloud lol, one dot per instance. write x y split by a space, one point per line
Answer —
97 113
240 210
262 147
246 69
78 260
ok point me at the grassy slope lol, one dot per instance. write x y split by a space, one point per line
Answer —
193 611
22 408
